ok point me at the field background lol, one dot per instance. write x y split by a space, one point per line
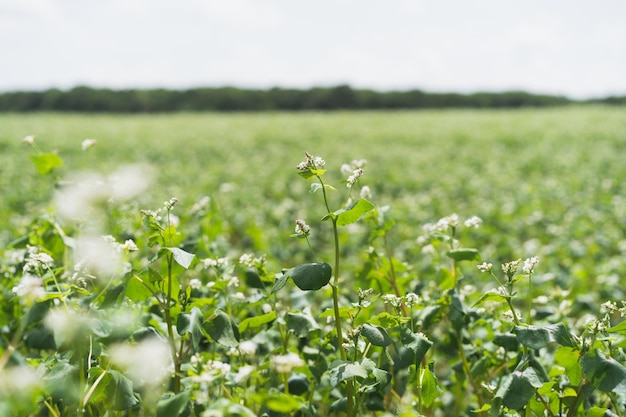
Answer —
546 182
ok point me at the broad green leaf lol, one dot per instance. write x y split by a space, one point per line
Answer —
344 312
63 383
173 405
46 162
298 384
222 329
181 257
516 391
114 390
137 289
508 341
596 412
311 276
568 358
536 337
463 254
377 336
387 320
377 379
342 370
257 321
606 374
282 403
353 213
490 296
191 323
430 389
301 323
415 342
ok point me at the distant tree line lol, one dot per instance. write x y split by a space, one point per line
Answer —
86 99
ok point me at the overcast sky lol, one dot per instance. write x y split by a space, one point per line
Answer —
568 47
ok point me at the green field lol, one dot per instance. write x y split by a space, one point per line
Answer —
550 179
545 182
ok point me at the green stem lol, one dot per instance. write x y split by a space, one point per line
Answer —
170 325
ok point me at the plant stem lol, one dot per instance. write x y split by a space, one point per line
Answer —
170 325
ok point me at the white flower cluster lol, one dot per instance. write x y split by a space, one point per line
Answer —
169 205
510 268
36 260
484 267
249 260
302 229
29 140
284 364
529 265
311 162
410 300
30 287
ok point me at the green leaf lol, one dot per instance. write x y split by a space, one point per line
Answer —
279 283
222 329
416 342
490 296
114 390
387 320
353 213
377 336
536 337
63 383
311 276
516 391
191 323
301 323
173 405
618 328
137 289
430 389
568 357
282 403
181 257
342 370
606 374
463 254
256 321
46 162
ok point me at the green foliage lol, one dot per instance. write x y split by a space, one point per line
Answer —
188 312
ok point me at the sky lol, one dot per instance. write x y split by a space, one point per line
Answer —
575 48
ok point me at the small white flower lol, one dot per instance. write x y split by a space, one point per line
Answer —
209 262
247 347
473 221
195 283
284 364
266 308
37 260
28 140
352 179
169 205
365 193
484 267
129 246
247 259
411 299
510 268
302 229
88 143
392 299
30 287
529 265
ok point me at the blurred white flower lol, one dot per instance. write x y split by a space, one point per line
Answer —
88 143
98 255
28 140
365 192
284 364
473 221
148 363
30 287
